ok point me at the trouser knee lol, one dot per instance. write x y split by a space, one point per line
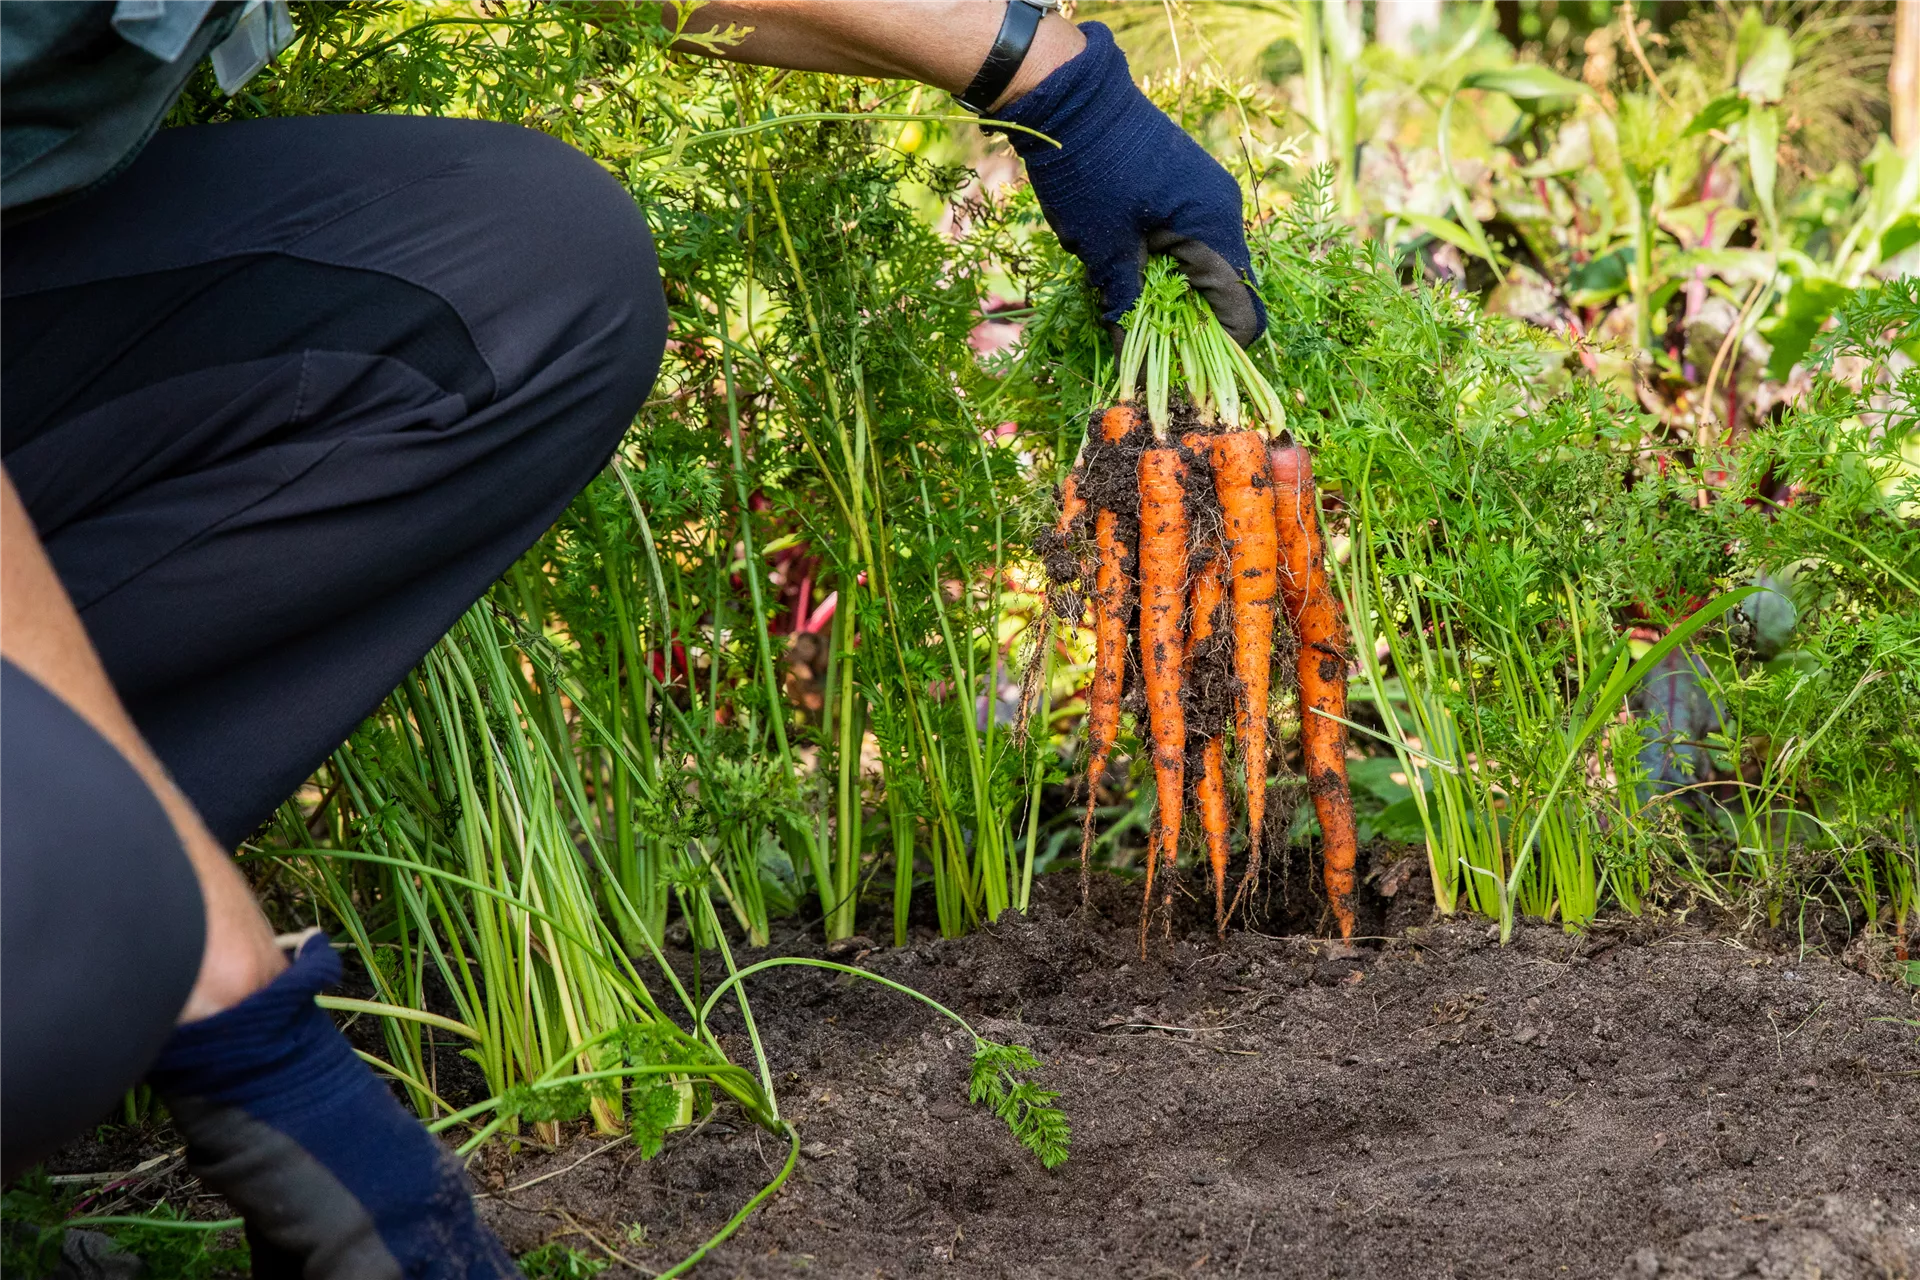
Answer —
103 924
576 281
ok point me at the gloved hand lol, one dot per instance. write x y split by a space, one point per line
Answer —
1127 181
335 1180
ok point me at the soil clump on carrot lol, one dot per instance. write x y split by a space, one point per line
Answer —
1642 1100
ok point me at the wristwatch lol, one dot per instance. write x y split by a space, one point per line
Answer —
1008 52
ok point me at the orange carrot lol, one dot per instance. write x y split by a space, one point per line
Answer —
1056 545
1112 602
1240 476
1322 671
1163 591
1072 505
1210 792
1115 423
1118 421
1064 566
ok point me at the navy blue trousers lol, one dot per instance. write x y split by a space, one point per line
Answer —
282 400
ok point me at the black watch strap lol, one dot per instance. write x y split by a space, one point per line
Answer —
1004 59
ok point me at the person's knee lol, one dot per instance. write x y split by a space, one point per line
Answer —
103 925
600 309
616 275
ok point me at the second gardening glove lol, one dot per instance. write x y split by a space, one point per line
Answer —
1127 181
334 1179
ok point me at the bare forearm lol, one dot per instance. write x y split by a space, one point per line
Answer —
937 42
43 636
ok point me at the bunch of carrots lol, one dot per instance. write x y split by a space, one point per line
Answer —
1196 540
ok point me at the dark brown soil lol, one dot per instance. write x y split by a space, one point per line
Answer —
1639 1101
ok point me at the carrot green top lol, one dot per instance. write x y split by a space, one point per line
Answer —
1173 338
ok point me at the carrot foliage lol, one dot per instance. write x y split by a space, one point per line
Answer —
997 1081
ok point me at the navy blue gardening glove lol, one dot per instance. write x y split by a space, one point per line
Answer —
335 1180
1126 181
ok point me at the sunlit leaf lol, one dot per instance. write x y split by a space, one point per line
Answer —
1592 283
1735 266
1811 300
1763 75
1441 229
1718 114
1897 238
1525 83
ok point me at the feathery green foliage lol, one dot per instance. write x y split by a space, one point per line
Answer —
1037 1125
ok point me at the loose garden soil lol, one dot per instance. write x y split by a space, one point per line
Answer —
1646 1099
1650 1098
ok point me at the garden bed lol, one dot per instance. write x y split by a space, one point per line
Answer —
1645 1099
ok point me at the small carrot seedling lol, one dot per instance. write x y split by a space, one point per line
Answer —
1037 1124
556 1261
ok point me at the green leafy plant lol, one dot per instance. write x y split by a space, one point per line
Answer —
1522 547
995 1079
556 1261
997 1069
174 1246
36 1214
30 1231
